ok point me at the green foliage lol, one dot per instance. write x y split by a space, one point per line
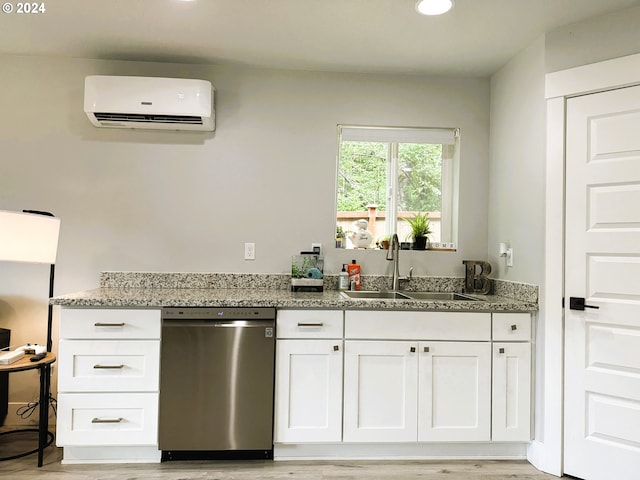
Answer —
420 226
419 177
362 176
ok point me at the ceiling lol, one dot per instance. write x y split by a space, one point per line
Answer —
383 36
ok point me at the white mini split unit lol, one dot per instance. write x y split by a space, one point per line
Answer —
149 102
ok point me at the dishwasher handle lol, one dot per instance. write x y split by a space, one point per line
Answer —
214 323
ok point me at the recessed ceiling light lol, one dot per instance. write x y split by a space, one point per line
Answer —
434 7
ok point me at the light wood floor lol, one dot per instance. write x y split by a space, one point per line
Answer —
25 468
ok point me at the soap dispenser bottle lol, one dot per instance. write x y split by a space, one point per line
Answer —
343 279
353 270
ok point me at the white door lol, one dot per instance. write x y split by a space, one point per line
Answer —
380 391
602 346
454 392
308 391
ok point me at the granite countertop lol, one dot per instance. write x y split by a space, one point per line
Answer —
155 290
241 297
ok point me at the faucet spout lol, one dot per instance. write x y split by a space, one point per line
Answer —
393 255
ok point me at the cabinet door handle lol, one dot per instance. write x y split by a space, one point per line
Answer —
501 350
310 324
101 324
107 420
108 367
412 349
426 349
336 348
514 327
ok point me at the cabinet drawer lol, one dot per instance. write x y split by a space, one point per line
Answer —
107 419
371 324
108 365
109 323
309 323
515 327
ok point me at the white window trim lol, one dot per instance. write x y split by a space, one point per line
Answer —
448 137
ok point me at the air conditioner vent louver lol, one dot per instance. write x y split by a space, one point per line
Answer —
135 117
154 103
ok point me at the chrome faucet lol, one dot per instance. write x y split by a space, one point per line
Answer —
393 254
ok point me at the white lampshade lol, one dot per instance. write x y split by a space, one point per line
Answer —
28 237
434 7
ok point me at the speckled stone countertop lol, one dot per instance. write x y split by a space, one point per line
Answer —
154 290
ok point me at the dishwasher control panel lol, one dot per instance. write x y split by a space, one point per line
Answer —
213 313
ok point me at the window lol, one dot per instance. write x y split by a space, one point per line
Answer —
387 175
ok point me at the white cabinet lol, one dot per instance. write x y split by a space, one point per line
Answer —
308 390
511 405
454 392
406 384
108 384
380 391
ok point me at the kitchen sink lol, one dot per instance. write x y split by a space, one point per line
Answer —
440 296
387 295
374 295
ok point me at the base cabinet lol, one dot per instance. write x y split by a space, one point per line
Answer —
380 391
308 392
454 399
308 389
511 417
417 391
409 378
108 385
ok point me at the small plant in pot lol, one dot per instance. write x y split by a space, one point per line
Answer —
383 242
420 228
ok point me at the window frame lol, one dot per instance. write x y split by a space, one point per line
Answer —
450 141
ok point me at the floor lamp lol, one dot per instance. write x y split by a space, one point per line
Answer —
31 236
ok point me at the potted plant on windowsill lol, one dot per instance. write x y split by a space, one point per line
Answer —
383 242
420 228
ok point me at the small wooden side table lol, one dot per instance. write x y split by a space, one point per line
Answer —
44 366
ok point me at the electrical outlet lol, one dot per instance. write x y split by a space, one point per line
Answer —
249 251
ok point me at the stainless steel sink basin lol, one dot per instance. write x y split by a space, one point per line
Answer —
374 295
385 295
440 296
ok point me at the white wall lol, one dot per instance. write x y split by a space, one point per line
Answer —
171 201
175 201
517 185
516 171
594 40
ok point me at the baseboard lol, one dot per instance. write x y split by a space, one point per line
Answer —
105 454
401 451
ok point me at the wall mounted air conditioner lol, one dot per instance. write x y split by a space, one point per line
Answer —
149 102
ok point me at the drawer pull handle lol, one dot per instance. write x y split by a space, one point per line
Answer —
336 348
514 327
107 420
412 349
501 350
101 324
108 367
426 349
310 324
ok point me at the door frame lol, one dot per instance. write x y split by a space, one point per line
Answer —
547 452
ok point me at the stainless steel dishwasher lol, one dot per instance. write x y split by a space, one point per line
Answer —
216 383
